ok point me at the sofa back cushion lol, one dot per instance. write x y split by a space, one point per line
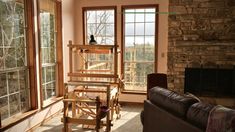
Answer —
198 114
171 101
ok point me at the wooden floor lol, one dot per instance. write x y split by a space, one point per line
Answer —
129 121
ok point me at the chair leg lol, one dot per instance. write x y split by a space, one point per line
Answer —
66 127
98 118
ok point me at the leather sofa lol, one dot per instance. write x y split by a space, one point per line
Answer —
168 111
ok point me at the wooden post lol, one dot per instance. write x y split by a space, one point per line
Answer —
70 58
73 104
65 114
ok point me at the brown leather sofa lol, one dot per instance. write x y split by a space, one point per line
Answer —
167 111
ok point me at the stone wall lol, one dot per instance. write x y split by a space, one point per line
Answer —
201 34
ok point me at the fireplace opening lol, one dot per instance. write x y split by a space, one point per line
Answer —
215 82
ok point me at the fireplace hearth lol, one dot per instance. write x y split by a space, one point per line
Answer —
215 82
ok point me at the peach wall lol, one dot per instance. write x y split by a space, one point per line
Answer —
36 119
68 31
163 23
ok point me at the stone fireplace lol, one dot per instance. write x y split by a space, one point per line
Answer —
201 34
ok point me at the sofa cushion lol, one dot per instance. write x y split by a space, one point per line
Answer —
171 101
198 114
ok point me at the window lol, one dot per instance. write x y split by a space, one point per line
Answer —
18 91
14 71
139 26
100 22
50 47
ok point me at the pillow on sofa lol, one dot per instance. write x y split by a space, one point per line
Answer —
171 101
198 114
221 119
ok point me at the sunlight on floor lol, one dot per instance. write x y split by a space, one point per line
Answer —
129 122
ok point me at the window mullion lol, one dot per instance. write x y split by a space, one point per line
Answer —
8 96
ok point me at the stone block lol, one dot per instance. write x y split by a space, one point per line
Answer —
172 18
174 2
202 24
219 28
211 12
186 2
189 32
185 27
213 48
200 10
223 13
217 21
178 9
185 17
210 64
233 12
191 37
196 64
189 10
174 23
186 23
201 0
175 31
180 65
211 4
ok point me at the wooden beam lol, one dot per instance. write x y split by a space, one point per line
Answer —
92 75
91 47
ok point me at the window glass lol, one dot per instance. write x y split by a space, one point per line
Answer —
139 45
129 29
139 15
48 47
14 90
100 23
149 29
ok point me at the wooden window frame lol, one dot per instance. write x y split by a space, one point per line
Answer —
84 9
31 61
156 6
59 57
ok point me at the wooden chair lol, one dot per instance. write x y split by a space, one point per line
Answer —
87 110
75 118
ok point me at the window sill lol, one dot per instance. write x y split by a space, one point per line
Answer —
7 123
51 101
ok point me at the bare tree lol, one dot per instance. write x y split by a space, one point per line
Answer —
12 55
99 28
11 34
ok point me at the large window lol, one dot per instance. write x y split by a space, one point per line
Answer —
49 47
14 72
100 22
18 91
139 26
